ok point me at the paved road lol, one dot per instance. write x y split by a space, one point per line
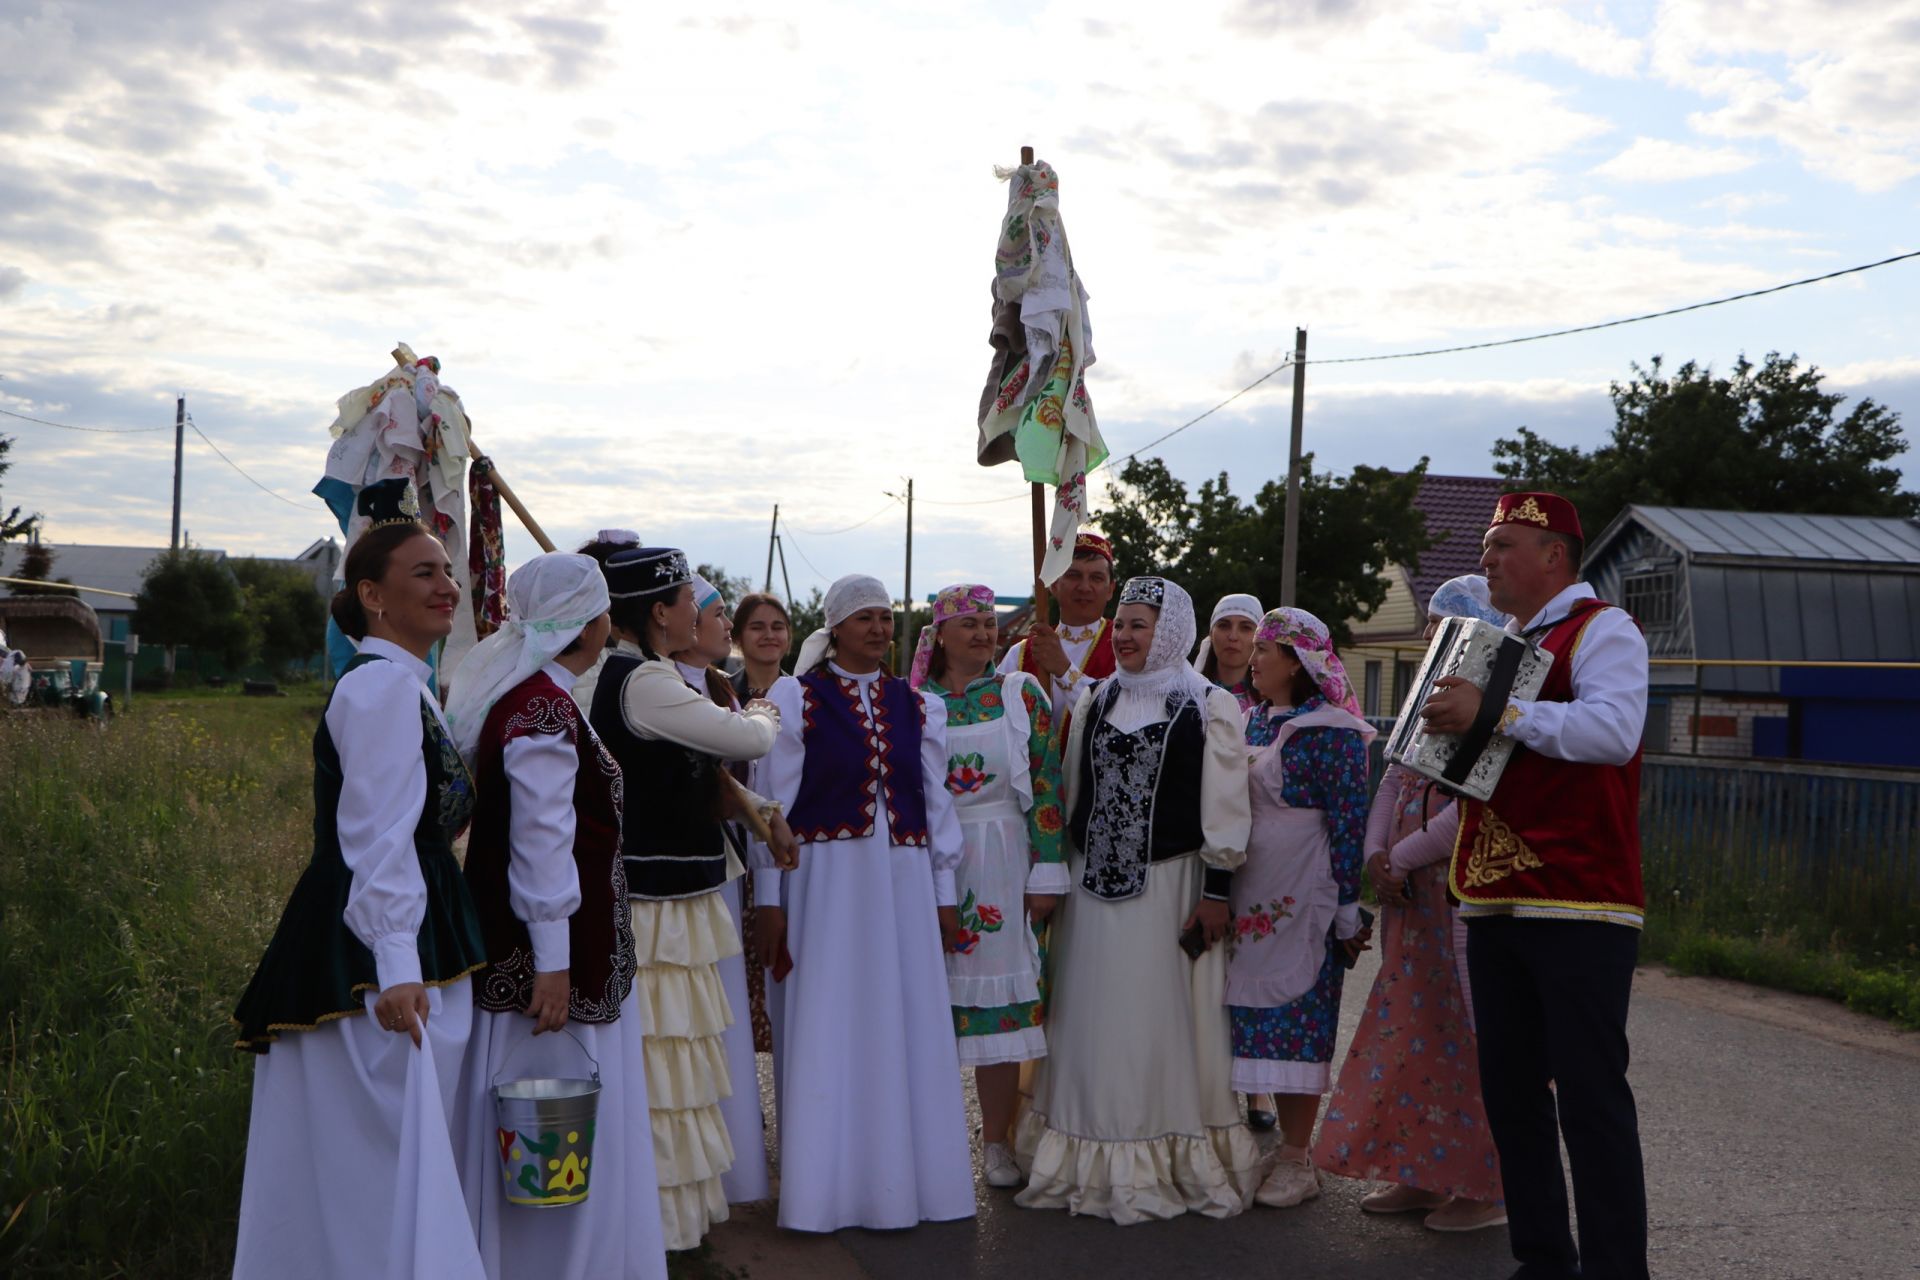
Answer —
1782 1139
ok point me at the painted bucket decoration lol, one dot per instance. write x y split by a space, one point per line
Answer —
545 1130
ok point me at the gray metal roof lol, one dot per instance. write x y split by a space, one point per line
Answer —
1752 535
1791 614
114 568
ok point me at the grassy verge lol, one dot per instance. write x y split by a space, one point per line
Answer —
144 866
1846 936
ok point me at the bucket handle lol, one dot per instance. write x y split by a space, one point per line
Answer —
514 1052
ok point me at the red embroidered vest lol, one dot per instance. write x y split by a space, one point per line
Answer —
1099 665
600 933
1556 834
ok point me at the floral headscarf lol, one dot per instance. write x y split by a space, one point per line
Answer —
958 600
1311 642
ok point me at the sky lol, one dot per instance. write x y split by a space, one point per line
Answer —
685 262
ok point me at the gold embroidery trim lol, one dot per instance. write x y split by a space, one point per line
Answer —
1529 511
1498 852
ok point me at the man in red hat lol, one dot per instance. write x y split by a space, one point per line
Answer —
1547 872
1080 649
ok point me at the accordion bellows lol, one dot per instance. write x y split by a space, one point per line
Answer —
1467 764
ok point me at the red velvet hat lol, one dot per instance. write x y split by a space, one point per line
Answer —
1092 544
1547 511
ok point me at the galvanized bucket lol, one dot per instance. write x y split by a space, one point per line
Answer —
545 1129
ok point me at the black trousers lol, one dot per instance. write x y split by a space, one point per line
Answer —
1550 1006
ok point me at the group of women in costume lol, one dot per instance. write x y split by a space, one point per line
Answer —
1147 908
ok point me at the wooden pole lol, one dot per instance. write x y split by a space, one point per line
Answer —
1290 549
906 623
508 496
773 533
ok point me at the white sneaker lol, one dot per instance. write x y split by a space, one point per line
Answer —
1290 1183
1002 1172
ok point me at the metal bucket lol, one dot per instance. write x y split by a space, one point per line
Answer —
545 1130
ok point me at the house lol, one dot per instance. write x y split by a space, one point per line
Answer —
1386 647
1767 589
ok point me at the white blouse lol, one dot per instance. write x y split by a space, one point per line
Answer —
543 881
787 761
656 703
1226 812
374 720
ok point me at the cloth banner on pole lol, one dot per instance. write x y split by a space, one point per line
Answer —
1035 405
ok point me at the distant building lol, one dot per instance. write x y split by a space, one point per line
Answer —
1386 647
1734 585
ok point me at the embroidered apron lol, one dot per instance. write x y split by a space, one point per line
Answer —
1284 897
999 959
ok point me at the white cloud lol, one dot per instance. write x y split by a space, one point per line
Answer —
1661 160
1593 46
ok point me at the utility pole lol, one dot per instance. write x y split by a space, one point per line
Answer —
179 453
781 545
1290 549
906 626
773 536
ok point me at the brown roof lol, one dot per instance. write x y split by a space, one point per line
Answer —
1457 509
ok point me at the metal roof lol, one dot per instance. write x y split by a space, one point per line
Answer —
113 568
1759 536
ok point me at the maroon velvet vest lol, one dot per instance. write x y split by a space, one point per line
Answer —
601 961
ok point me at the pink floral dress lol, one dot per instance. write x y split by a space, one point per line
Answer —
1406 1107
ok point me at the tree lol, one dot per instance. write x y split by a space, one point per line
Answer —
1764 438
808 616
189 598
288 616
731 588
36 563
12 523
1212 543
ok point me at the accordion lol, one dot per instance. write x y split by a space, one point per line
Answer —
1503 666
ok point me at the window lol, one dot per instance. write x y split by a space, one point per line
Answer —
1372 702
1403 673
1649 598
117 629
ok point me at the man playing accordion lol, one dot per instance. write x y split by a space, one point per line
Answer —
1547 872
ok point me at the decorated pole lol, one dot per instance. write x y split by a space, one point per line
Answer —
1042 601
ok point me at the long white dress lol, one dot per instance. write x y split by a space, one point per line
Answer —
1133 1116
350 1167
873 1129
615 1233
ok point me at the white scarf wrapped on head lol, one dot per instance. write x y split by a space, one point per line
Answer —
846 597
550 600
1238 605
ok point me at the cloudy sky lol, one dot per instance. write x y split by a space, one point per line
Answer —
684 262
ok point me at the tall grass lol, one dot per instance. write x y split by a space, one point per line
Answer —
1847 932
141 869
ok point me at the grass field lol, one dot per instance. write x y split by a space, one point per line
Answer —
142 868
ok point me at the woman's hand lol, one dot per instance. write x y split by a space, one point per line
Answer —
786 846
769 934
1212 916
950 928
548 1007
769 709
1388 884
1359 942
1041 905
403 1007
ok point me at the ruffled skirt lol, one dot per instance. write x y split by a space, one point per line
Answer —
1133 1116
683 1006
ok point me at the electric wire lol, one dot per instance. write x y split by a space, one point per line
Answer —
67 426
892 502
303 506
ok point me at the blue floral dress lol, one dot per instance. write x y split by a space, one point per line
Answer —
1325 769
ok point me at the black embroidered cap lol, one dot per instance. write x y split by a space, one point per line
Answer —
390 501
639 571
1151 591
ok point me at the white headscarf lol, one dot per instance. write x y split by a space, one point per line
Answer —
550 600
846 597
1239 605
1465 597
1166 673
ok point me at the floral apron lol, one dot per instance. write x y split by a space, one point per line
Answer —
998 962
1284 897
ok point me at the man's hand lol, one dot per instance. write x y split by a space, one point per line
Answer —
1454 708
1043 642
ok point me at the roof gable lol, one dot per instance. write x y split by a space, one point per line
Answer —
1754 537
1457 509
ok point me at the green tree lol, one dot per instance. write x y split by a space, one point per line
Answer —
808 616
12 523
189 598
288 616
36 563
1213 543
1762 438
730 587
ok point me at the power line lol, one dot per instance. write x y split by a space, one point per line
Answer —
892 502
67 426
787 535
1610 324
237 467
1286 364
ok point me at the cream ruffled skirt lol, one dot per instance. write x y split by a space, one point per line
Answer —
1133 1116
684 1008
